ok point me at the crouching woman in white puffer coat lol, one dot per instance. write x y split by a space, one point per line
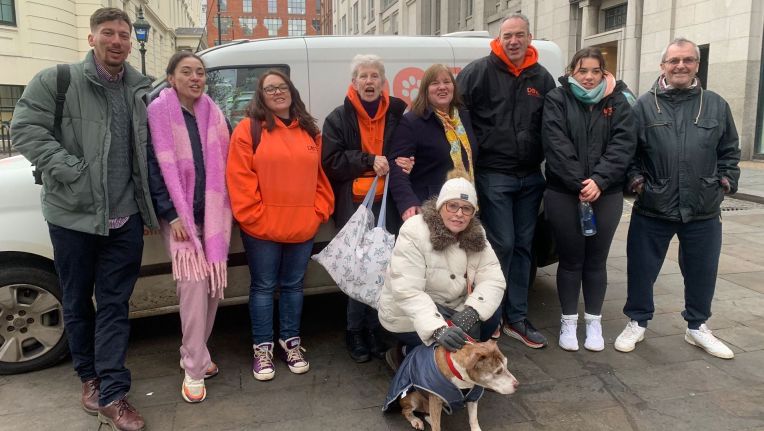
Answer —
442 269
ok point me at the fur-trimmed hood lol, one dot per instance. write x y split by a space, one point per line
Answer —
471 240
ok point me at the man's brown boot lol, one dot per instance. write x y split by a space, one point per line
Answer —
121 416
90 392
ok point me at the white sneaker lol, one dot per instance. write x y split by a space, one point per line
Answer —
192 390
703 338
631 335
568 338
594 340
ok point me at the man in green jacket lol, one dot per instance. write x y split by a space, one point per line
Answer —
96 201
686 161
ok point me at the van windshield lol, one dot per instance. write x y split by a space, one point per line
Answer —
232 89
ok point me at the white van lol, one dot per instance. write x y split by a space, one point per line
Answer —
31 316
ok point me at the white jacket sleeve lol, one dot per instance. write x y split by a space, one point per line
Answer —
408 271
488 285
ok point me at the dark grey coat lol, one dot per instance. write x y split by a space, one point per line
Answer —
684 149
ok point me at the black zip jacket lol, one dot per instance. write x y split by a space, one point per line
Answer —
506 114
587 141
344 161
684 148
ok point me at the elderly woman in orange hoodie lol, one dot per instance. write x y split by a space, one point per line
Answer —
279 195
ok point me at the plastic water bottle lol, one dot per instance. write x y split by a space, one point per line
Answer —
588 221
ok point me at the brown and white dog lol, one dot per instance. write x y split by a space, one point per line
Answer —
480 364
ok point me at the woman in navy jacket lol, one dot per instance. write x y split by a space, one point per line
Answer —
437 132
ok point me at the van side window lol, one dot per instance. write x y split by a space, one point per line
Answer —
232 89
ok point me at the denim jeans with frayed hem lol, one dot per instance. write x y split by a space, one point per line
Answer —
274 264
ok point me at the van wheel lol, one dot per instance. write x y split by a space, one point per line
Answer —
32 333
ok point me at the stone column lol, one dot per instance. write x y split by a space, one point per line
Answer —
632 45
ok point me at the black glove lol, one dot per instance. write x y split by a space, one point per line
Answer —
452 338
466 318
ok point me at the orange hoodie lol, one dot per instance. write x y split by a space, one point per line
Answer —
531 57
280 194
372 140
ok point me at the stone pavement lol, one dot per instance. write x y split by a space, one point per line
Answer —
751 185
665 384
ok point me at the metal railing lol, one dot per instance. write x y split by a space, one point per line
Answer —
6 149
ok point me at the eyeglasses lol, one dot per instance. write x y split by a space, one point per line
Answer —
454 207
689 61
271 89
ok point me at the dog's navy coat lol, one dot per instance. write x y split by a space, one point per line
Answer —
420 371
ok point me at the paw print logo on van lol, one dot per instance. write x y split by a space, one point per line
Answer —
406 83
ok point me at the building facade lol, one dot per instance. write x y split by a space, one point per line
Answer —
631 34
42 33
229 20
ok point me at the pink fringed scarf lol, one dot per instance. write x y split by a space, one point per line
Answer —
194 259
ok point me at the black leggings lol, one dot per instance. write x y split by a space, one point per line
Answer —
582 259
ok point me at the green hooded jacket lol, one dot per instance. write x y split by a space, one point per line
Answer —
74 171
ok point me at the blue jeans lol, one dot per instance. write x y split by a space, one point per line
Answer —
271 264
108 266
509 207
700 244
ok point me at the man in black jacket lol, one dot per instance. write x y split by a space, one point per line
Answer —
356 140
504 93
687 159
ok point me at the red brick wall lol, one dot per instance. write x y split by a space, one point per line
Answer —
259 12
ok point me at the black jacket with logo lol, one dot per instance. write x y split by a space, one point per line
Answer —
506 114
587 141
687 141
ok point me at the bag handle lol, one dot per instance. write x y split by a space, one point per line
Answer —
368 201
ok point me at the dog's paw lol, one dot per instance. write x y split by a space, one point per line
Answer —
417 424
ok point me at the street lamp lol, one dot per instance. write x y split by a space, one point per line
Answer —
142 28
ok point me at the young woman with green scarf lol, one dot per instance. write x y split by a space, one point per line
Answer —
589 139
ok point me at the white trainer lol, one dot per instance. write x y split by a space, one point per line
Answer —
631 335
703 338
568 338
594 340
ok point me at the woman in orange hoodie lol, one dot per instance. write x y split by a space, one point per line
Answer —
279 195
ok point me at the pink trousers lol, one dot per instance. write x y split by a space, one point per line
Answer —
197 316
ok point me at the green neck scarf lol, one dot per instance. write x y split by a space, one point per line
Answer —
587 97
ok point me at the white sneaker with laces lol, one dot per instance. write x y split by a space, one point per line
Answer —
631 335
703 338
568 338
594 340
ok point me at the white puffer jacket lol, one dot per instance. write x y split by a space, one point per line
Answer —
430 265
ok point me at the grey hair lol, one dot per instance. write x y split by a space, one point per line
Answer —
520 16
367 60
680 41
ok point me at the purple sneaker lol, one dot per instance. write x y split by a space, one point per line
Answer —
292 355
262 364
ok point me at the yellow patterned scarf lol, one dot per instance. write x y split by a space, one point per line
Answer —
458 140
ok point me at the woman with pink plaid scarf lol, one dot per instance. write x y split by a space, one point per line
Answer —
187 156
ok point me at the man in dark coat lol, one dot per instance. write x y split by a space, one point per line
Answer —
504 93
356 140
687 159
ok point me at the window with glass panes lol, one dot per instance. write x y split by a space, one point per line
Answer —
371 10
615 17
317 26
272 24
297 27
296 7
247 25
246 6
7 12
272 6
223 5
